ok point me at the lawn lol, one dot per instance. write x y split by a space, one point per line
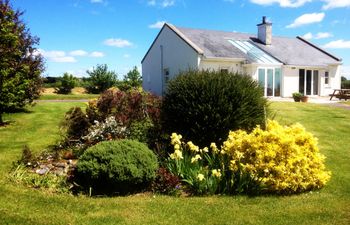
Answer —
39 128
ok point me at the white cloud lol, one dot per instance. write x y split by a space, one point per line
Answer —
161 3
282 3
56 56
319 35
119 43
168 3
97 54
307 19
78 73
52 54
307 36
337 44
64 59
78 53
330 4
157 25
126 56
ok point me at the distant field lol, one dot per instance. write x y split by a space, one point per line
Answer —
76 90
77 93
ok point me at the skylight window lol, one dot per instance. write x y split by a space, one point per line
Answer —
254 53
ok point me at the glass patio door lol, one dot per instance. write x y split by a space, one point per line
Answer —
308 82
270 80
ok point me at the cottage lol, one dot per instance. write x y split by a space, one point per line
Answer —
282 65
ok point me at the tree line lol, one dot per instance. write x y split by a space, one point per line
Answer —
99 79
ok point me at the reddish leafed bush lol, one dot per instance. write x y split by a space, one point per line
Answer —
127 107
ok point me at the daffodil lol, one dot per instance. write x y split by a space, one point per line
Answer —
200 177
216 173
195 158
176 155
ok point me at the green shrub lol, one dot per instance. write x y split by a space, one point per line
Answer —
140 130
100 79
345 84
116 167
205 105
66 84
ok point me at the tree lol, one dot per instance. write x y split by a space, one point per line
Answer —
133 78
343 78
66 84
20 63
100 79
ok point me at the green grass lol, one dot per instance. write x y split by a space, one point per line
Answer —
21 205
68 96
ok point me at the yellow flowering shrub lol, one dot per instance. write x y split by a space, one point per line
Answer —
283 159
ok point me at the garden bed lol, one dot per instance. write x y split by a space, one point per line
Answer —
20 205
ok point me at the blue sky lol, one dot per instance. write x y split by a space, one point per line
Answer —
76 35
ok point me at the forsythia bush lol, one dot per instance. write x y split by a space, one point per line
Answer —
281 160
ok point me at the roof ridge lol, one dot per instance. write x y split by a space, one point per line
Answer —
318 48
224 31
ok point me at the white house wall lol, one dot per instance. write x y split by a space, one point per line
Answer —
290 81
334 80
177 56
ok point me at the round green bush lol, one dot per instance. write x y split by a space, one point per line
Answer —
204 106
116 167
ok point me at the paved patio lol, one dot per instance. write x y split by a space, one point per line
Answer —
317 100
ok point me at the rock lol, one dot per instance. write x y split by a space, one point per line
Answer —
42 171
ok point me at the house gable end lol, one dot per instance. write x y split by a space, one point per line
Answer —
179 34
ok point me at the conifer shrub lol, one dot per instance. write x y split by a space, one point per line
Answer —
76 123
116 167
205 105
66 84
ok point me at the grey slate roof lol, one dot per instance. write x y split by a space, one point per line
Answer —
289 51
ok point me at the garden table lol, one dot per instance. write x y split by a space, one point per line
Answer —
341 94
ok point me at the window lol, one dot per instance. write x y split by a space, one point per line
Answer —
254 53
166 75
326 77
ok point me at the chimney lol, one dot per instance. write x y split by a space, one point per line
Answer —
265 31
